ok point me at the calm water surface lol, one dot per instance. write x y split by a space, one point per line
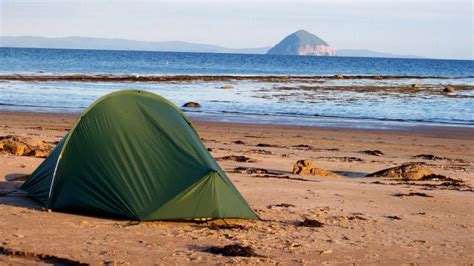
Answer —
250 101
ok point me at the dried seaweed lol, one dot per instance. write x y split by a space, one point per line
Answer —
393 217
251 170
309 223
50 259
233 250
214 226
269 145
428 157
373 152
282 205
238 158
420 194
284 177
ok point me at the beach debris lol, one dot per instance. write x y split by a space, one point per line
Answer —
264 173
435 177
339 76
349 159
215 226
416 86
306 167
376 183
420 194
345 218
303 147
393 217
427 157
251 170
373 152
259 151
233 250
49 259
449 89
279 176
227 87
239 142
192 105
407 171
237 158
447 184
309 223
281 205
419 213
356 217
21 146
268 145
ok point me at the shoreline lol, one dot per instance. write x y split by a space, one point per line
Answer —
337 101
42 77
459 132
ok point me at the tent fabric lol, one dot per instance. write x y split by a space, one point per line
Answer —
133 154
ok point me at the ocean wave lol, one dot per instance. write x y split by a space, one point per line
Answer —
361 118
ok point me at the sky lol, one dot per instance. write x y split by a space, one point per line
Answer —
435 29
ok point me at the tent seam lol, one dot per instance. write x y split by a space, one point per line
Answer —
52 179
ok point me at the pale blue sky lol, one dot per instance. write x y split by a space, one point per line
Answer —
439 29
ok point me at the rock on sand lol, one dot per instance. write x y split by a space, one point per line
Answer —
21 146
306 167
192 105
227 87
449 89
408 171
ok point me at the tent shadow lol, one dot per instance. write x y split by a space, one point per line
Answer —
11 195
16 177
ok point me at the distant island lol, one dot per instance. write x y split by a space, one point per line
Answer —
302 43
308 44
297 43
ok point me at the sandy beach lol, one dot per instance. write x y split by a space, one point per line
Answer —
364 220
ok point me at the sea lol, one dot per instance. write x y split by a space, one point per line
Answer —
375 93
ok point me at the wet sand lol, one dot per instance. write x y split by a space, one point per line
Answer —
365 220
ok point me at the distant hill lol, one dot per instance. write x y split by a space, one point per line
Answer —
368 53
298 43
302 43
120 44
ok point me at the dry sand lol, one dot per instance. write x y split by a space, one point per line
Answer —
362 222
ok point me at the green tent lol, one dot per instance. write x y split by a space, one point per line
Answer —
133 154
